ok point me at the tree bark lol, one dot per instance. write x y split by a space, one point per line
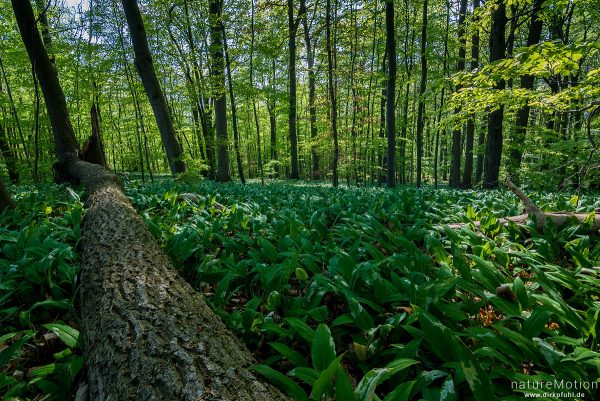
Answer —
332 94
423 84
236 136
5 199
145 67
467 181
147 334
312 110
457 132
220 100
390 116
93 149
292 29
493 157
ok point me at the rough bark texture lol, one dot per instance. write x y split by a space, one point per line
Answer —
145 67
5 199
147 334
390 115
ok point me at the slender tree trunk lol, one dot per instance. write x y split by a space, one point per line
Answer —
219 93
444 71
494 140
480 156
5 199
234 122
256 121
390 116
292 29
147 334
457 132
332 94
468 171
312 110
527 81
423 84
145 67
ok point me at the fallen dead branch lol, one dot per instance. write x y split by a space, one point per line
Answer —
533 212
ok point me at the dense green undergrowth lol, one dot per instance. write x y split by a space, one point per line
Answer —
357 294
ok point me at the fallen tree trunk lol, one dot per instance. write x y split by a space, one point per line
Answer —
147 334
533 212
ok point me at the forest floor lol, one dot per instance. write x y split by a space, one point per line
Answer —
356 293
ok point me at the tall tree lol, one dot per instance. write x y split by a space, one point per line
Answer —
292 128
493 152
254 109
312 109
390 116
527 81
457 132
219 93
234 119
423 84
332 94
145 67
468 171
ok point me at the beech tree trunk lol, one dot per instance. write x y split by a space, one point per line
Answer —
292 29
312 109
422 87
457 132
220 100
145 67
147 334
468 172
390 115
5 199
332 94
493 152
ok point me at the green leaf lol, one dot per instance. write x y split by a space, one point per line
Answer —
448 390
363 320
365 390
325 378
401 393
449 347
67 334
282 381
343 387
7 353
301 328
322 348
290 354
